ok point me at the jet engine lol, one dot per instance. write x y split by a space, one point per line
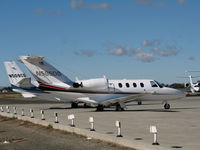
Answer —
92 84
187 85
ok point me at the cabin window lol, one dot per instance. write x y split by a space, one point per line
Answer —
134 85
142 85
120 85
127 85
153 84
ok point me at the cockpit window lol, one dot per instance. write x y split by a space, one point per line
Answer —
160 85
153 84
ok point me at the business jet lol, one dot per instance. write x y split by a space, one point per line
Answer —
194 87
97 92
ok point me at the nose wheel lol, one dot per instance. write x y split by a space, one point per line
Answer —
167 106
139 102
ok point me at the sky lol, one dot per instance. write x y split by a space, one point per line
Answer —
132 39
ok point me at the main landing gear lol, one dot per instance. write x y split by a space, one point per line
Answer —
74 105
119 107
100 108
139 102
167 106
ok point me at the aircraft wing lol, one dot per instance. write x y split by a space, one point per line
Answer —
123 98
109 100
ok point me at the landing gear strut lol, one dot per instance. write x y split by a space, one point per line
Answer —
119 108
167 106
100 108
74 105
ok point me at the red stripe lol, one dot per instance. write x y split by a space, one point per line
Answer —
50 86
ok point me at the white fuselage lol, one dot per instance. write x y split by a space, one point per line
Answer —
111 89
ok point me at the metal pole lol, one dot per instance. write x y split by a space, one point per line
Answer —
22 112
8 109
119 130
31 111
2 109
14 109
42 112
155 142
56 117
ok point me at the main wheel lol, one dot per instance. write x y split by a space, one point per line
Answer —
100 108
139 102
167 106
119 108
74 105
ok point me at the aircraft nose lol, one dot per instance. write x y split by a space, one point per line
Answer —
177 93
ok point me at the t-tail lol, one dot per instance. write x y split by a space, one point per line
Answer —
16 76
19 81
46 75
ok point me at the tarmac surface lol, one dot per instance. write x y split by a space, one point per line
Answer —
178 128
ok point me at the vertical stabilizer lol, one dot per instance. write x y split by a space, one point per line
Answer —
16 76
45 73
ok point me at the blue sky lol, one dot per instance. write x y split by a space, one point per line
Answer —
157 39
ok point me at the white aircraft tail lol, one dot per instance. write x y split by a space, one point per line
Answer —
44 73
16 76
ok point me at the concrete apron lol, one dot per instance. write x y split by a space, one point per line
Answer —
86 133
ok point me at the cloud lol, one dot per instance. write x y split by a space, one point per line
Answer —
191 58
88 53
150 42
169 50
143 56
181 2
64 41
119 50
42 11
150 3
149 51
59 13
80 4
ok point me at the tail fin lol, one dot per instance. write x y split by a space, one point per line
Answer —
45 73
16 76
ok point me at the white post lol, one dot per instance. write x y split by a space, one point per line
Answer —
118 125
14 110
8 109
42 112
56 117
71 117
31 111
2 109
154 131
91 120
22 111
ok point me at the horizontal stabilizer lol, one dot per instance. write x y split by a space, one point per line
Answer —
25 83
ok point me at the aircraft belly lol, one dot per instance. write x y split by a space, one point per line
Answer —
158 97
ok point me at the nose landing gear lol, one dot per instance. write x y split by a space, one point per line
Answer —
167 106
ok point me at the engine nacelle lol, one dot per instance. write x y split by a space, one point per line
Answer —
187 84
92 84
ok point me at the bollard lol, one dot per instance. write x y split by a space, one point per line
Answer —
2 109
118 125
154 131
8 109
22 111
31 111
14 110
71 117
56 117
91 120
42 112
